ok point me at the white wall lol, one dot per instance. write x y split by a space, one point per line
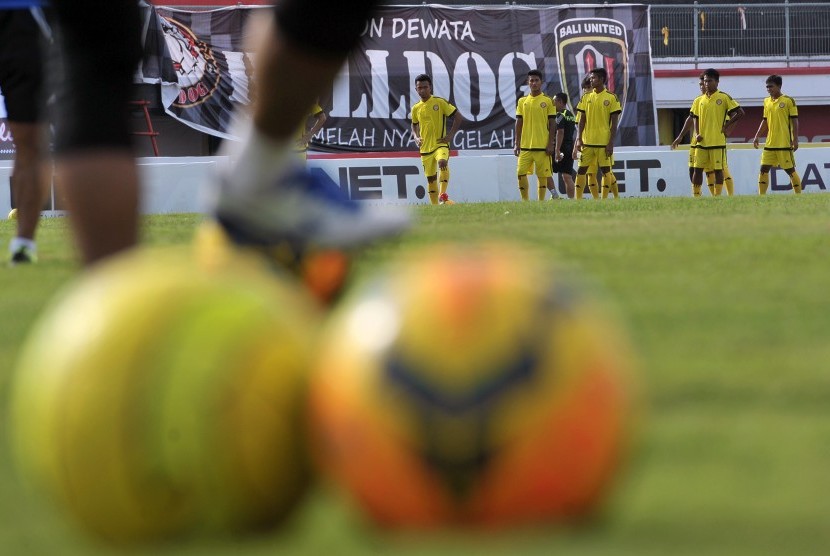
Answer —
748 90
170 184
181 184
652 173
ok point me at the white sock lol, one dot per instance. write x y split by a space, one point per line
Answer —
256 161
16 243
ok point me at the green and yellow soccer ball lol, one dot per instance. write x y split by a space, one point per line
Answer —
159 397
473 386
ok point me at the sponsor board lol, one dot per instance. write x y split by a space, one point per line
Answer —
488 178
168 185
181 184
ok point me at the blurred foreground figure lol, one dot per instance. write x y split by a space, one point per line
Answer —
95 166
21 82
268 197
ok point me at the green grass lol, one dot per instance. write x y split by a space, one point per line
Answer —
727 304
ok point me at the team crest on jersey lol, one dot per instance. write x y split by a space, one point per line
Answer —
781 105
584 44
719 102
435 107
193 62
543 104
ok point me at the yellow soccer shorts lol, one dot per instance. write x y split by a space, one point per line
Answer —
595 156
782 158
710 159
725 164
529 159
430 161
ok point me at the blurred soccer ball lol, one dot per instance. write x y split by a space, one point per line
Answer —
157 397
475 386
13 214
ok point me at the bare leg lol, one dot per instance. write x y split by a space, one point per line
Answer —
570 187
30 176
94 165
101 188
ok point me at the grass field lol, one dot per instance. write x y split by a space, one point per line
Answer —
728 305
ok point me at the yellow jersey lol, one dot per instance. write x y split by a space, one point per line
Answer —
431 116
779 114
535 113
711 113
597 109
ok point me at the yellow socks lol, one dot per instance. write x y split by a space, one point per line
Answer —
432 192
593 186
696 189
763 183
727 181
609 185
579 185
444 179
710 183
795 179
523 186
543 189
606 185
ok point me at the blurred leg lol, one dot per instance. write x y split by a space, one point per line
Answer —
30 177
95 164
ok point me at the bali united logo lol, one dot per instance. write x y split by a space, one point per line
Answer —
195 66
719 102
781 105
584 44
435 107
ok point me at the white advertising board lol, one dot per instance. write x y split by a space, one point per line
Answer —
180 184
487 178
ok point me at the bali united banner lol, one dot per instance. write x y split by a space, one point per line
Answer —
478 59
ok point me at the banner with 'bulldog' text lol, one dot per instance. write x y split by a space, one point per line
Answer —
478 59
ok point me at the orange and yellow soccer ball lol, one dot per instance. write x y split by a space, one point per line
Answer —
473 386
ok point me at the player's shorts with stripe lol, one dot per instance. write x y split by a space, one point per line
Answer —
528 159
595 156
713 159
783 158
430 160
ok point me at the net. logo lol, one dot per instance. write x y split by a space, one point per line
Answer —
584 44
196 69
